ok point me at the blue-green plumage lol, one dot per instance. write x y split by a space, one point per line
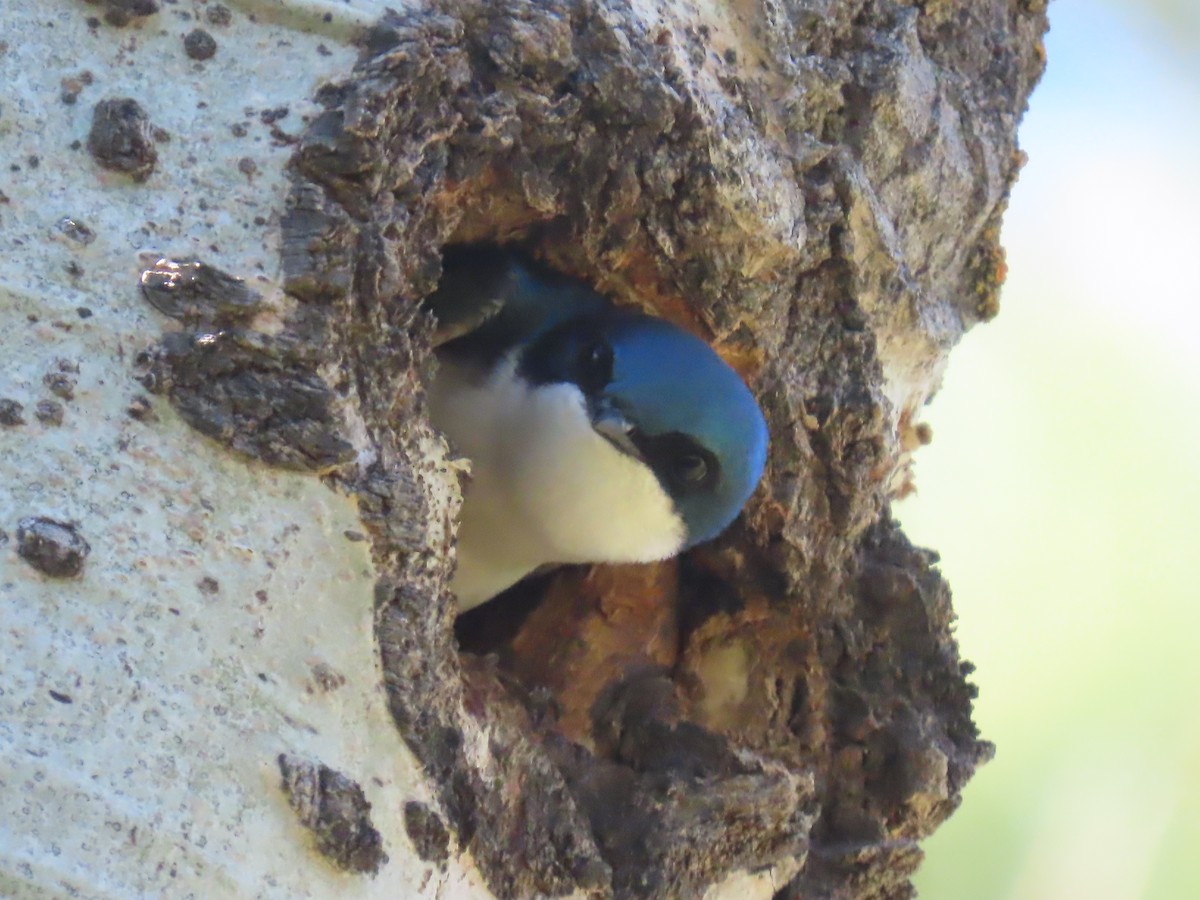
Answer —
488 301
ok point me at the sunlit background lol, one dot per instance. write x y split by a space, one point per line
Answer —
1063 484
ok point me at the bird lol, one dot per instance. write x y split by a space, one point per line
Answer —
596 433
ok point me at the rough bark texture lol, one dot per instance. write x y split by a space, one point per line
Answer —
813 186
817 188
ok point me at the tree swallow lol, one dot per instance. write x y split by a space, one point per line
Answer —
595 433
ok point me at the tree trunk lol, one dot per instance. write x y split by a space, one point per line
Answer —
231 664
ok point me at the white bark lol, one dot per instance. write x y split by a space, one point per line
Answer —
155 772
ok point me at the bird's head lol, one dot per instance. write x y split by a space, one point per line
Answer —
665 398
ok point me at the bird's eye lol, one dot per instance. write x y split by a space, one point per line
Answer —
691 468
595 366
686 466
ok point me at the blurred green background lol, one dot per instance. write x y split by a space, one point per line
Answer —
1062 487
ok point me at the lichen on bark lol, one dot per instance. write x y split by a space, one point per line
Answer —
814 187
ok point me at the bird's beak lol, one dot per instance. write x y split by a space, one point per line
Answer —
617 430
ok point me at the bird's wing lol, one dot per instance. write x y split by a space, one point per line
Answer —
475 286
490 300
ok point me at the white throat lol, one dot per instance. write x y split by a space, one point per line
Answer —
545 488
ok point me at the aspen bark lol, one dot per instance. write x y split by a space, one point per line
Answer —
231 666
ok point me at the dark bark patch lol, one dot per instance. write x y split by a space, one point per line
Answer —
258 393
218 14
254 393
120 13
194 291
121 138
141 409
49 412
53 548
429 836
60 384
334 809
75 230
199 44
11 412
326 678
